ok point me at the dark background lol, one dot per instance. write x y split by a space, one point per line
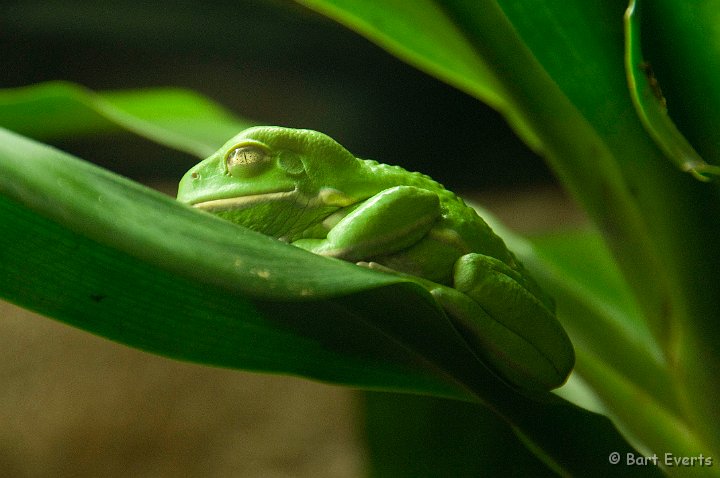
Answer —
271 61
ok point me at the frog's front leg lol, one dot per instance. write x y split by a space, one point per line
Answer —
509 328
387 222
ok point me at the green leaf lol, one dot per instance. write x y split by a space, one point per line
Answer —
651 104
110 256
681 40
176 118
557 65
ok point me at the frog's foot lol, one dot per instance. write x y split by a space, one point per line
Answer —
512 328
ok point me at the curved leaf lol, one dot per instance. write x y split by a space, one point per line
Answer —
651 105
682 42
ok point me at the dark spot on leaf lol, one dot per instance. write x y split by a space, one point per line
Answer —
97 297
653 82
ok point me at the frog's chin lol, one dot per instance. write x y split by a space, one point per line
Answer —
243 202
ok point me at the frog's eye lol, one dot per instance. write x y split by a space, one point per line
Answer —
246 160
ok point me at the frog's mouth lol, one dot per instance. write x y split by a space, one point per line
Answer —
244 202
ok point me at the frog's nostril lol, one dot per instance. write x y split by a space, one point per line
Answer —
194 175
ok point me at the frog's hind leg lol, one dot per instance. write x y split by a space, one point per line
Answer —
524 327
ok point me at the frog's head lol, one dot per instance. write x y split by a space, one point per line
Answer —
265 173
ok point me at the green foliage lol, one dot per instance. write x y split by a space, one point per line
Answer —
637 292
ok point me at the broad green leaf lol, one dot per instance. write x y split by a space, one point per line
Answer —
651 104
681 42
176 118
113 257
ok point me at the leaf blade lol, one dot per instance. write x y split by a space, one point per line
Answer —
174 117
106 274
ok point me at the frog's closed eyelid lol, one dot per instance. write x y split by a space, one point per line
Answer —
246 160
245 155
